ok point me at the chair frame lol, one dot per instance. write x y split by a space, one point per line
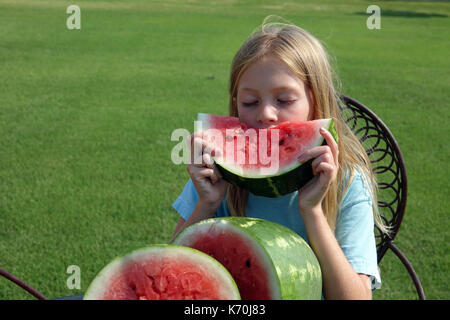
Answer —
375 128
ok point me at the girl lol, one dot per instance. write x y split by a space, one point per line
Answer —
282 73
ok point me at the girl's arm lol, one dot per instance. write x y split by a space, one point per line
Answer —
201 211
207 181
340 281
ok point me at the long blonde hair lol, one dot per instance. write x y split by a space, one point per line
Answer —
306 57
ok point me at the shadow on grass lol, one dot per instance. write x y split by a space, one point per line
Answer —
406 14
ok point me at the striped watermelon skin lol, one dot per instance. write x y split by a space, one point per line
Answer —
291 266
276 185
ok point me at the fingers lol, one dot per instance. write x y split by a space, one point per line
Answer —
207 173
196 146
331 148
325 169
325 157
317 164
315 153
216 176
200 173
201 150
331 143
207 160
324 166
202 164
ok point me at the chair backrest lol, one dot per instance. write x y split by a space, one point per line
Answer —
387 165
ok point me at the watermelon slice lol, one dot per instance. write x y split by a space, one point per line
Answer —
163 272
264 161
267 260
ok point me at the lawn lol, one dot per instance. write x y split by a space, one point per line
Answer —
86 118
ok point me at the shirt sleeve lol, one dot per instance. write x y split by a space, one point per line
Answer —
185 203
355 231
187 200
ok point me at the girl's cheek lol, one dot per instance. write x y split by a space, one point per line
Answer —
249 118
243 114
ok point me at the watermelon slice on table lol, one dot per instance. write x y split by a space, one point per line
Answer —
267 260
264 161
163 272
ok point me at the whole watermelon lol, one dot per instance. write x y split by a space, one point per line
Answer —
266 259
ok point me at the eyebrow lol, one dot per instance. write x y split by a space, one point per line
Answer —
273 90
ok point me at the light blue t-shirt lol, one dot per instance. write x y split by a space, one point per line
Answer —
354 229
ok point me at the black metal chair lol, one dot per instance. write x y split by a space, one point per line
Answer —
389 169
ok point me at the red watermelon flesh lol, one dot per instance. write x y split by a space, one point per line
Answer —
152 280
264 161
163 272
236 255
250 145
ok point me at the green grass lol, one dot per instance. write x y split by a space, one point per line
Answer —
86 117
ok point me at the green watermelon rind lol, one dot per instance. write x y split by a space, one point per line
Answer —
287 256
96 288
187 235
284 182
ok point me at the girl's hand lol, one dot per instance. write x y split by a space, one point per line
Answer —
204 174
325 167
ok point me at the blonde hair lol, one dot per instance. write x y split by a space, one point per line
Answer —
307 58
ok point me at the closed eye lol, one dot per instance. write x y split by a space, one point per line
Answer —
249 104
286 102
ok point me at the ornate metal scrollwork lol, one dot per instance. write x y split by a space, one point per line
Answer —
387 165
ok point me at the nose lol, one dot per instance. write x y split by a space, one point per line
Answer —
267 115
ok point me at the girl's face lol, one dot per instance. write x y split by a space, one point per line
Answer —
269 93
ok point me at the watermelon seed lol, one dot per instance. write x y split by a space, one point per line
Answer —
247 263
281 142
